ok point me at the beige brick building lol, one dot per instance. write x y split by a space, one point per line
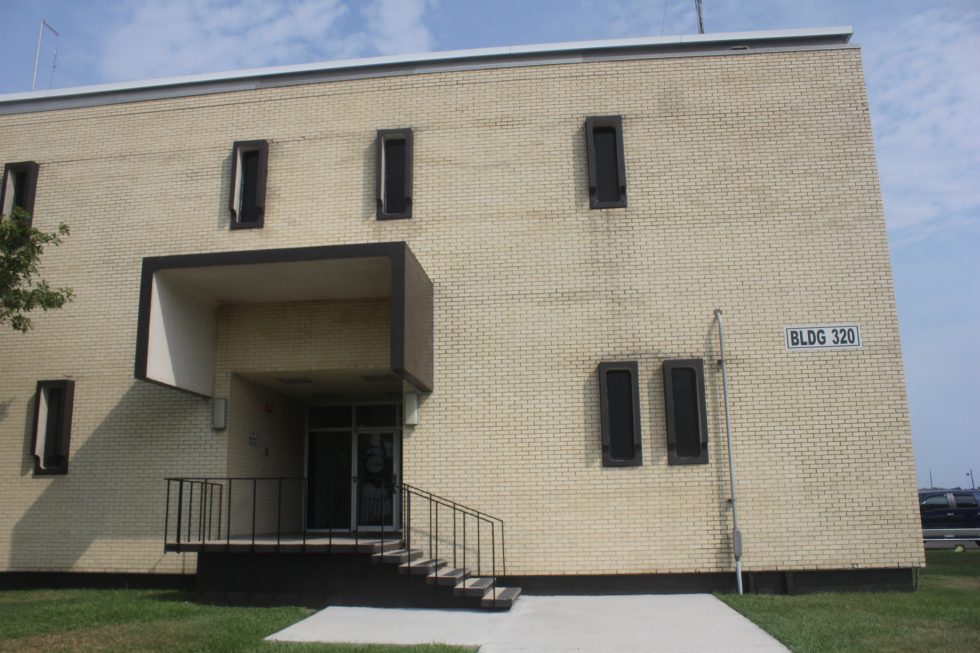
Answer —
308 286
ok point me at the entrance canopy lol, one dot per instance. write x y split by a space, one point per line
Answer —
179 297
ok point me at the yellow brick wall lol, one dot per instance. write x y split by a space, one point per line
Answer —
752 187
265 439
301 336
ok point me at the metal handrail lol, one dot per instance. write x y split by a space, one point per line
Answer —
202 500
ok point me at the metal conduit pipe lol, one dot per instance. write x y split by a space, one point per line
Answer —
736 533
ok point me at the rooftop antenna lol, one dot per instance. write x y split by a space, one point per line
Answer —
37 53
697 6
54 64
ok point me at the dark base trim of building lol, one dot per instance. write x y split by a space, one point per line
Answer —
319 580
761 582
26 580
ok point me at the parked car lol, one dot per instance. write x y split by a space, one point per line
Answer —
950 514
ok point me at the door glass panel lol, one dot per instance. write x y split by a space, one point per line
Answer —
330 460
330 417
376 477
377 415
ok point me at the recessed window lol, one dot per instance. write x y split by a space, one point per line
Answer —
19 185
249 164
52 426
687 431
607 167
394 174
619 401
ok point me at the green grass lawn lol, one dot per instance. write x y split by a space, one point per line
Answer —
128 621
942 616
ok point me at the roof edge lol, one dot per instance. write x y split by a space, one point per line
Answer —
412 63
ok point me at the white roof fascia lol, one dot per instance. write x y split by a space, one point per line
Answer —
506 56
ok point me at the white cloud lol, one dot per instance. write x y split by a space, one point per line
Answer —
668 17
190 36
396 26
924 88
620 18
154 39
923 76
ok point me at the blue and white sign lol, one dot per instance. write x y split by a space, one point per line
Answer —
827 336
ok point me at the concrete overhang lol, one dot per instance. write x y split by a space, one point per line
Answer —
179 297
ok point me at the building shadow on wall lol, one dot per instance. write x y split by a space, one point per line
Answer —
5 413
110 505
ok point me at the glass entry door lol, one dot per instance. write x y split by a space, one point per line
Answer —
329 487
353 467
376 479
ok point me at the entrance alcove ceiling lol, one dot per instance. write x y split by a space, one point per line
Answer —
326 386
179 297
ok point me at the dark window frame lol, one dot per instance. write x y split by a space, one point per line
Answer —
382 137
62 432
591 124
697 365
28 168
234 200
605 417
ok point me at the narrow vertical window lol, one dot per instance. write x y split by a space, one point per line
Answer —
249 164
687 431
19 186
52 426
394 174
619 401
607 167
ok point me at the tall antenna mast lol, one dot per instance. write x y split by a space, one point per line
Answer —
37 53
697 6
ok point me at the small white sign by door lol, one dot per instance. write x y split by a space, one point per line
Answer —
828 336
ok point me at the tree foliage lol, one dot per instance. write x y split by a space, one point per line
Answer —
21 291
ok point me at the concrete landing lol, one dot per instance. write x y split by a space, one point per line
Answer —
545 624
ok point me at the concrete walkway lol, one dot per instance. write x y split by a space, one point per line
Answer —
635 623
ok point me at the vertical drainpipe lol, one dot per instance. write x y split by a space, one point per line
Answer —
736 533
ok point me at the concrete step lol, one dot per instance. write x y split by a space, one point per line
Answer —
389 545
473 587
500 599
447 577
421 568
396 556
376 546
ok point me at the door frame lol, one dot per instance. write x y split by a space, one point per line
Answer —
354 431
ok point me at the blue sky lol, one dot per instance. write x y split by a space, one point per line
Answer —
922 63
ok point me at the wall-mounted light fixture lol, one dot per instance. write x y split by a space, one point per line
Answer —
219 414
411 408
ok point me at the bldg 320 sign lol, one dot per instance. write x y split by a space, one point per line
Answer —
829 336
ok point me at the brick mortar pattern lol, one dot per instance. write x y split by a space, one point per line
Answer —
752 187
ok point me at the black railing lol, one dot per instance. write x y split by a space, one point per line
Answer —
301 514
